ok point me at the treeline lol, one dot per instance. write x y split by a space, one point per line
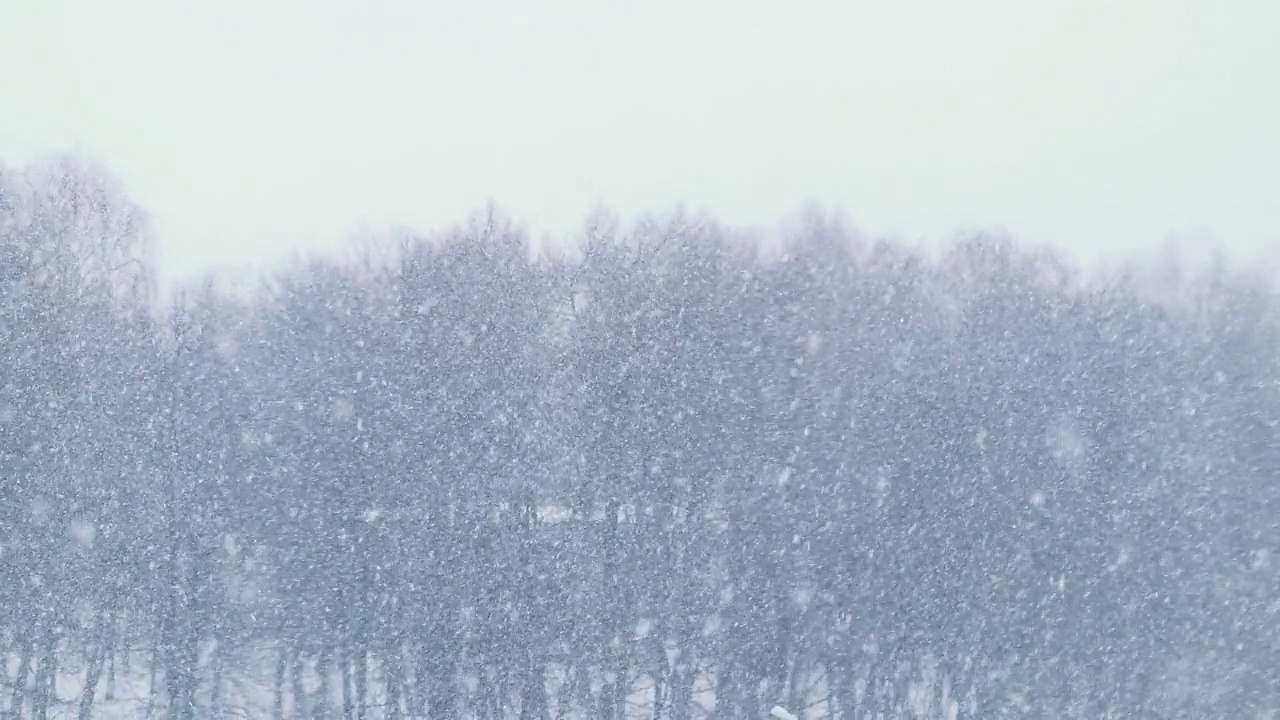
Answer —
672 474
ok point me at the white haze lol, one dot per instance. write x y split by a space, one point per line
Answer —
251 130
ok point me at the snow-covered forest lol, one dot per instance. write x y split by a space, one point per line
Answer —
674 472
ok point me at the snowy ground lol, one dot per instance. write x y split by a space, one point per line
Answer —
249 692
252 694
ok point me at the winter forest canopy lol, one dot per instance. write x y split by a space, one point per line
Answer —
673 473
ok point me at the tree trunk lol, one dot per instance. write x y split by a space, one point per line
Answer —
681 695
798 683
348 702
299 692
442 702
488 699
727 705
323 669
94 671
152 684
620 687
116 643
362 680
110 690
564 696
20 683
660 673
391 670
180 674
282 669
126 657
215 691
46 677
533 695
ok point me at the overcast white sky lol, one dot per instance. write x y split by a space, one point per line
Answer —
248 128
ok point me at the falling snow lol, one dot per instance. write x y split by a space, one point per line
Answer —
665 476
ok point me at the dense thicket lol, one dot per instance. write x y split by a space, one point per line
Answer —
671 472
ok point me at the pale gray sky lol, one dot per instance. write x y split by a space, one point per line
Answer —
248 128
